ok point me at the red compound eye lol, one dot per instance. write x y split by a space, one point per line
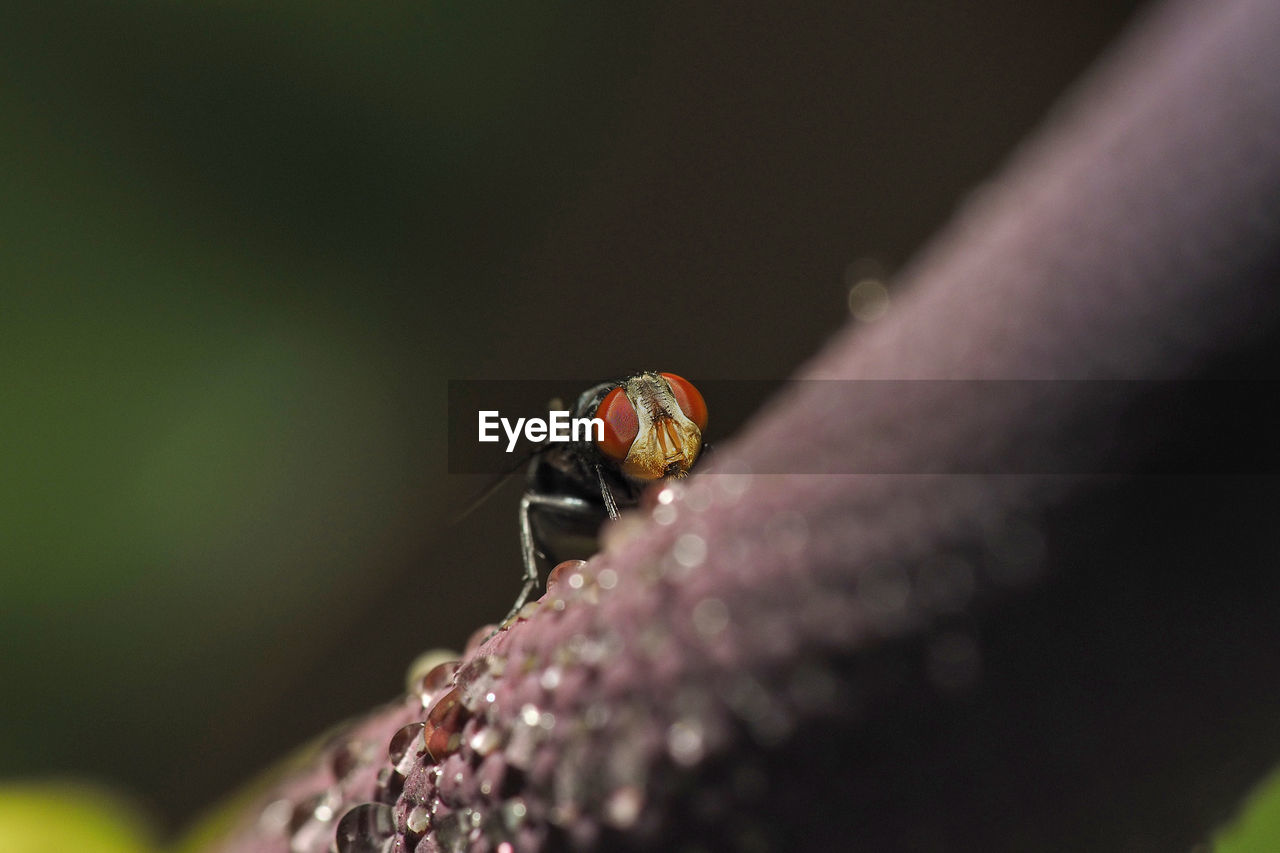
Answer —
620 424
691 402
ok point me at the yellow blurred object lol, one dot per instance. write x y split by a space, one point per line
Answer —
1257 828
61 817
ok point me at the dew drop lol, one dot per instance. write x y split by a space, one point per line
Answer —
407 747
367 828
303 812
665 514
521 743
732 486
443 729
349 756
274 817
485 740
868 300
453 829
690 550
513 814
430 671
710 617
388 785
310 827
418 819
312 837
558 573
477 680
550 678
434 680
622 808
684 741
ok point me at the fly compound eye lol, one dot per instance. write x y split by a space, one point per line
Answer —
620 424
689 400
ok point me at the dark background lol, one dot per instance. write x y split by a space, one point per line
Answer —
244 247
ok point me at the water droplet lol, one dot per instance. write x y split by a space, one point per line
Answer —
418 819
350 756
732 486
477 680
310 827
314 836
868 300
607 578
513 814
665 514
622 808
444 724
452 829
690 550
684 741
485 740
388 785
558 573
710 617
522 742
330 803
568 786
435 680
550 678
274 818
407 747
490 774
367 828
422 673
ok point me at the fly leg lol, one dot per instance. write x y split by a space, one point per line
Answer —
557 504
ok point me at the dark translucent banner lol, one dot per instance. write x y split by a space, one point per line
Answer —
1069 427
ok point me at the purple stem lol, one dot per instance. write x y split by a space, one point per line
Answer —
930 661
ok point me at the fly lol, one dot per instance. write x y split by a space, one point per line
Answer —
653 426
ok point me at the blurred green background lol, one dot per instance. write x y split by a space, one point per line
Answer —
243 247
